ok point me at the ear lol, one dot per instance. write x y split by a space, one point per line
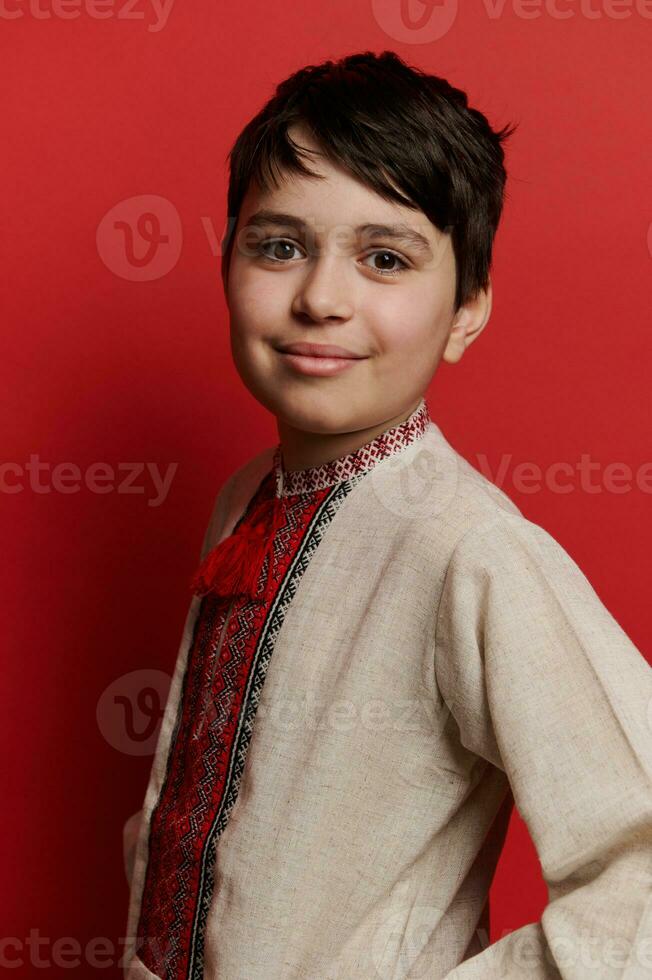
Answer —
468 323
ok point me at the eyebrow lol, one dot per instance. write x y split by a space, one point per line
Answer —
399 233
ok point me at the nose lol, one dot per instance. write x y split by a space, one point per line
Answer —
324 292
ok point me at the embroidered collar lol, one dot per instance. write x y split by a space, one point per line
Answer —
355 463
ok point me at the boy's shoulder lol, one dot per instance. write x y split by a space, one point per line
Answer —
475 521
470 495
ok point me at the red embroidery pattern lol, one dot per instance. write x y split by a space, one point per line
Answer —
222 685
359 461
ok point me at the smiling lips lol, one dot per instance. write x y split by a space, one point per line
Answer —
319 350
319 359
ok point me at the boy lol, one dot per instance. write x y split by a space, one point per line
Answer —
382 654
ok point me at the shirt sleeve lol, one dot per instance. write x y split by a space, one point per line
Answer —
543 682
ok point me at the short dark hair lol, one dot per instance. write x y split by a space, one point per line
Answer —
388 124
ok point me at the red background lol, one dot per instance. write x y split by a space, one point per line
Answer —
97 367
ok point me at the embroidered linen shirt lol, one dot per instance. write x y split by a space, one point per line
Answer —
338 757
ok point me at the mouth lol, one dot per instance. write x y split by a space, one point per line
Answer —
319 350
318 360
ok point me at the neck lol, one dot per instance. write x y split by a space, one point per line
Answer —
303 449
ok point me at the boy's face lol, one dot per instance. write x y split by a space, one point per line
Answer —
332 278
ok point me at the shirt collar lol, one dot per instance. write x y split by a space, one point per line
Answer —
393 440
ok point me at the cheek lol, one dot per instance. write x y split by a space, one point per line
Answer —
256 303
408 324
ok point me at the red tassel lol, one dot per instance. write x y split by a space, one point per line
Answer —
233 566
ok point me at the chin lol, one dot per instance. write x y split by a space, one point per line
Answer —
324 413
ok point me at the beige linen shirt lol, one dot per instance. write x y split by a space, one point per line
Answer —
442 658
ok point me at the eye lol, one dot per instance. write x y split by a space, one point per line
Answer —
386 258
277 249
